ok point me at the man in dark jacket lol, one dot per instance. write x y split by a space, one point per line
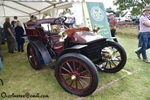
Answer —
9 35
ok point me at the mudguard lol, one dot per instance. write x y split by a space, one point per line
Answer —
74 49
43 50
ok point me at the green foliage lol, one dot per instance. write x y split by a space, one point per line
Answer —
136 6
46 14
65 11
117 13
110 10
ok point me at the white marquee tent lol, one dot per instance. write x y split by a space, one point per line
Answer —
24 8
28 7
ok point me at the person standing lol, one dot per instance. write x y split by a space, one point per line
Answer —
144 34
19 34
1 38
112 23
34 19
31 18
13 22
73 21
9 35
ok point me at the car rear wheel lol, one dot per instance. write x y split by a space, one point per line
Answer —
33 56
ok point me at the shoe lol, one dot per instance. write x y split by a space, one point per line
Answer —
2 59
138 54
146 60
11 52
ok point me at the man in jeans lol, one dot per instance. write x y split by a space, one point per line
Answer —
144 34
9 35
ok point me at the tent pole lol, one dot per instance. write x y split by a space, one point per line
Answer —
4 11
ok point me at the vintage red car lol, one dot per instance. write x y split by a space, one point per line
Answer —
75 54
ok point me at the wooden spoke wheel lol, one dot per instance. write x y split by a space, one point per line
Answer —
76 74
33 56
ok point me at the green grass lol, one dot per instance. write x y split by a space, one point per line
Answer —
132 32
20 78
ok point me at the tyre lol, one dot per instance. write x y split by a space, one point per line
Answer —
76 74
113 58
34 56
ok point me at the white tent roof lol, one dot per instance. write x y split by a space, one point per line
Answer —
29 7
24 8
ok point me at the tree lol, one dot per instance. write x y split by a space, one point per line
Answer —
46 14
65 11
117 13
135 6
110 10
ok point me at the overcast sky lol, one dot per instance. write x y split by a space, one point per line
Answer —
107 3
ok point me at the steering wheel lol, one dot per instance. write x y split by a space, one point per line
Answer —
60 20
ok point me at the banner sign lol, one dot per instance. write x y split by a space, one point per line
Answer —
95 15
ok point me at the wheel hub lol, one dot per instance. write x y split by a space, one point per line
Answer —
107 54
30 56
73 77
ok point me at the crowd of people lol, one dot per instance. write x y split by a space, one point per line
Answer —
71 20
13 32
143 35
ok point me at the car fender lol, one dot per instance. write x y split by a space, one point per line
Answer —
43 50
74 49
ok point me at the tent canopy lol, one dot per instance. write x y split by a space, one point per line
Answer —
24 8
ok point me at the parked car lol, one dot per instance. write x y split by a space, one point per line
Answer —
75 54
123 19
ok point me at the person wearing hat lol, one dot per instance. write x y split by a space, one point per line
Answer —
144 34
112 23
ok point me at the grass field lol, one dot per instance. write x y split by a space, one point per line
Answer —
131 83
